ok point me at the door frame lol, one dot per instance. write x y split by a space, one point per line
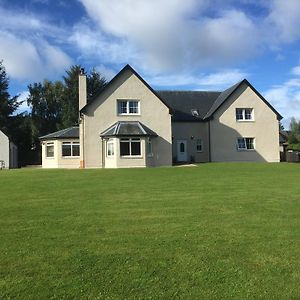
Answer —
181 156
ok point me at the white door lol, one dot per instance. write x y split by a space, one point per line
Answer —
181 150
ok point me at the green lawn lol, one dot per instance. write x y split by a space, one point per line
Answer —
215 231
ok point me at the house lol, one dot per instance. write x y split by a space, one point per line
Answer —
8 153
131 125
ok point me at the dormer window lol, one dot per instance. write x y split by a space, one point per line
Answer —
128 107
244 114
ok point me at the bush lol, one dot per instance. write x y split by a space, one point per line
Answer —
295 147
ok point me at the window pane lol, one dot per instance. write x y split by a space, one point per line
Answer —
76 149
133 107
250 143
122 107
248 114
182 147
124 148
49 151
110 149
66 149
239 114
199 145
135 148
241 143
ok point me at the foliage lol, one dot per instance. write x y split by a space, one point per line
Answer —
55 104
216 231
8 105
295 147
294 135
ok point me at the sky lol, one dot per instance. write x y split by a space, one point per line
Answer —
172 44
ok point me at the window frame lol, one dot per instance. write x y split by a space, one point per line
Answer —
48 145
72 146
131 140
199 142
128 107
246 142
110 143
243 114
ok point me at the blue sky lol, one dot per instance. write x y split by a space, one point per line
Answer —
173 44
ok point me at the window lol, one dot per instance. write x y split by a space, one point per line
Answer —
245 143
128 107
130 147
149 148
244 114
110 148
49 149
70 149
199 145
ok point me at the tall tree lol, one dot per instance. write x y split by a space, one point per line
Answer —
45 102
8 105
95 83
294 136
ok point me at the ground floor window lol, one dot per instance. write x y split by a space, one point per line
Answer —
110 148
245 143
70 149
50 149
199 145
130 147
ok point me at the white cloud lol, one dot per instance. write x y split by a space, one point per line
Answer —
216 81
26 49
286 99
296 71
283 21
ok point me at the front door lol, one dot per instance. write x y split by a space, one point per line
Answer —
181 150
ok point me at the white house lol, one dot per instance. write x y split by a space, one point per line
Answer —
131 125
8 153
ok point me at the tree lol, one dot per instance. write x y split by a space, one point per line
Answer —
294 136
8 105
95 83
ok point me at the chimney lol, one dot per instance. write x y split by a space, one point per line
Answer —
82 89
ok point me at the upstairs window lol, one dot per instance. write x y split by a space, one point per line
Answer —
245 144
244 114
128 107
70 149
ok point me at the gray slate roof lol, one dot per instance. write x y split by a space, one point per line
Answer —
68 133
183 102
128 128
206 103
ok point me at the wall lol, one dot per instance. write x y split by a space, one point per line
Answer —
102 113
4 149
58 161
186 130
225 129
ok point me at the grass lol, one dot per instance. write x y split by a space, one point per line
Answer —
215 231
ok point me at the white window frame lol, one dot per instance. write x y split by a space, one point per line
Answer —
50 145
71 144
119 101
130 141
199 143
244 115
111 153
246 141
